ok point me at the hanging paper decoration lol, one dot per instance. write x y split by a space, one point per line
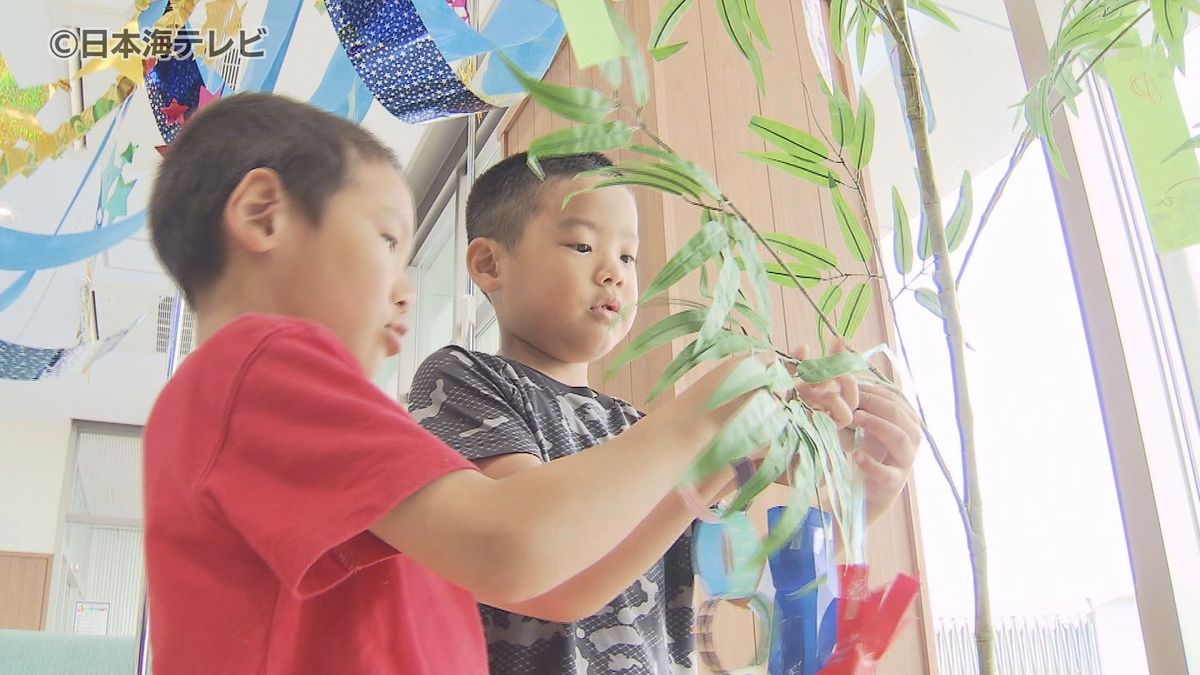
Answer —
528 32
173 87
722 555
806 585
23 251
393 53
867 620
20 362
19 107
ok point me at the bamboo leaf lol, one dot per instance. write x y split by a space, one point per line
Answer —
902 247
956 227
837 24
852 230
753 318
754 22
794 513
866 23
750 374
864 132
674 326
783 276
663 53
691 169
773 465
636 180
813 173
612 71
672 178
724 295
580 104
575 140
665 24
705 291
733 17
829 300
857 302
638 79
723 345
928 299
924 240
928 8
813 255
705 244
748 247
826 368
752 427
791 140
841 116
1170 22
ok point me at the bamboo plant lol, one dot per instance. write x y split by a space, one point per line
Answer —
736 261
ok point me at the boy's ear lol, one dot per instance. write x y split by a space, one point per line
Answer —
255 211
483 263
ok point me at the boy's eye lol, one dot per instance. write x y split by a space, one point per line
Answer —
628 259
582 248
392 242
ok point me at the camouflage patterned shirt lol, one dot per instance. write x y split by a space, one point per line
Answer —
484 405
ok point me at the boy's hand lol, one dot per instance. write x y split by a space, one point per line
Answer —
891 436
838 397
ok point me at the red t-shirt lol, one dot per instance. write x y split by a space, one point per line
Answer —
268 455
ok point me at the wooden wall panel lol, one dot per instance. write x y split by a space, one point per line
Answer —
701 102
24 587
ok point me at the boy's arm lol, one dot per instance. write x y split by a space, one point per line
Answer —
587 592
516 538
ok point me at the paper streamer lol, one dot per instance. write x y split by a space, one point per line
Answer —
25 251
806 587
20 362
393 54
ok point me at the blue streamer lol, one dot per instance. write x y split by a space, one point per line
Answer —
339 86
513 22
24 251
280 21
807 622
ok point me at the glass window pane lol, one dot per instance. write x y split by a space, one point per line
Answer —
1057 551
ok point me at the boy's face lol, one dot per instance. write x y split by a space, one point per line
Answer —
570 286
348 272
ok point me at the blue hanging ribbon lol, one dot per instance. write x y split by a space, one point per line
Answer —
24 251
341 85
280 22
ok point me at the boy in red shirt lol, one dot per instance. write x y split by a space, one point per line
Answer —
297 519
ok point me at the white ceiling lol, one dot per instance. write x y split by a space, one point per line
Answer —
127 278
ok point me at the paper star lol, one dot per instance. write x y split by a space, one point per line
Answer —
118 203
162 149
127 156
175 112
148 65
207 96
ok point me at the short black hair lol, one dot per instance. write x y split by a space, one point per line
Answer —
312 152
507 195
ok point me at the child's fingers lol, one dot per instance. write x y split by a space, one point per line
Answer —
882 402
880 476
883 439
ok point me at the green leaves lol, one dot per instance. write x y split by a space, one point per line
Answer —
956 227
752 427
928 8
792 273
800 168
691 170
852 230
586 138
1170 22
638 79
924 241
841 116
791 140
724 295
837 26
864 133
829 367
705 244
854 310
928 299
805 252
664 25
749 375
1190 144
579 104
902 247
753 263
663 176
733 16
674 326
827 303
724 344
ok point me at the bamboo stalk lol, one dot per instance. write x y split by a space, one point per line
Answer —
952 326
